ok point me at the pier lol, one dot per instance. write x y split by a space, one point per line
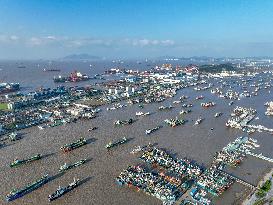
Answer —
260 156
239 180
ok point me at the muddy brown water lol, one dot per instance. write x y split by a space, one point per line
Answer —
98 174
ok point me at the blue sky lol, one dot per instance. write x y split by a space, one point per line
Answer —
135 28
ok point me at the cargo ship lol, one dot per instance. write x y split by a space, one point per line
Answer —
73 77
118 142
17 162
70 166
16 193
9 87
62 190
74 145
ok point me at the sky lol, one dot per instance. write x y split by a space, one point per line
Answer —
33 29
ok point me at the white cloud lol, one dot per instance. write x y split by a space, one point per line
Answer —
51 37
14 38
168 42
52 40
8 39
148 42
34 41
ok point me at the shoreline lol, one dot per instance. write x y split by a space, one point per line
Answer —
251 198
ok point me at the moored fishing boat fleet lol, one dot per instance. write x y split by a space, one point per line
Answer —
168 178
240 119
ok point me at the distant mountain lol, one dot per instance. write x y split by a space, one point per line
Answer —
83 56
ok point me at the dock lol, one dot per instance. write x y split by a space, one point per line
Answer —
260 156
241 181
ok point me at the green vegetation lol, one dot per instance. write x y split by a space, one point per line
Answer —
267 185
3 106
260 202
260 193
216 68
265 188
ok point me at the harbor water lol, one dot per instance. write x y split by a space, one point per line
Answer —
98 187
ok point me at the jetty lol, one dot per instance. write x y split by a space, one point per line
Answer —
260 156
238 180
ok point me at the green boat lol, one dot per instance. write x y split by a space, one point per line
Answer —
17 162
16 193
74 145
118 142
70 166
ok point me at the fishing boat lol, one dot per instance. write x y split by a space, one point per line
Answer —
137 149
207 104
16 193
142 113
218 114
74 145
141 106
51 70
199 97
175 122
187 105
93 128
17 162
116 143
184 112
70 166
177 101
165 107
198 121
149 131
14 136
62 190
183 97
124 122
41 127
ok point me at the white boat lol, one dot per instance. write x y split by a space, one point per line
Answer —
41 127
142 113
198 121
